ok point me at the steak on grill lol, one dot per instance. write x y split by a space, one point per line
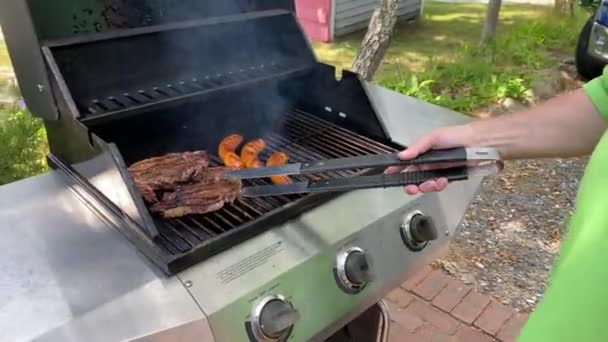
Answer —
209 192
165 173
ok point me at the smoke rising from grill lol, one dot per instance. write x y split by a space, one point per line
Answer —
230 55
191 73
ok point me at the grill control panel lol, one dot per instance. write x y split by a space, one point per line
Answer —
327 270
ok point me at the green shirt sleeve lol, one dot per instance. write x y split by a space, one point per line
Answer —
597 91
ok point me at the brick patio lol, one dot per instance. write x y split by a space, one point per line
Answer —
431 306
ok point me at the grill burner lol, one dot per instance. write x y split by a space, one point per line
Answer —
304 137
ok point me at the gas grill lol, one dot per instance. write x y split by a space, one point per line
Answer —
256 82
134 81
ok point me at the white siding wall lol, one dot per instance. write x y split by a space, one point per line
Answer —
353 15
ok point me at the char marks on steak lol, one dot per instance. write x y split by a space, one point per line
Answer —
209 193
165 173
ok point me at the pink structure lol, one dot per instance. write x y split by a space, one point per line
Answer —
325 20
315 18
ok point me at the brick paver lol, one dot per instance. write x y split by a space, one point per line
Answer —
405 319
470 334
417 278
471 306
451 295
494 317
432 306
439 319
400 297
511 329
431 285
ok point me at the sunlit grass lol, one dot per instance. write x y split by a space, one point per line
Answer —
439 59
5 62
439 34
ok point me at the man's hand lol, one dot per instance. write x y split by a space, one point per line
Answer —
565 126
442 138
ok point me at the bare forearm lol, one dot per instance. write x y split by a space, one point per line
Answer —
565 126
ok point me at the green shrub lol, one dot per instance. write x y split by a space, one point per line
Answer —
23 145
481 75
590 5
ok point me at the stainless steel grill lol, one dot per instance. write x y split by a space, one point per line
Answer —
153 77
304 137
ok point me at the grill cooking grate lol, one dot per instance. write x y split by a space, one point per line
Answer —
304 138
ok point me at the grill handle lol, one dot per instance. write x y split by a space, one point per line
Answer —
387 181
458 154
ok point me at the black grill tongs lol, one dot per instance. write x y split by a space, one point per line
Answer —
456 164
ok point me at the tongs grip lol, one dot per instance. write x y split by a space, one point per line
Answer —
458 154
393 180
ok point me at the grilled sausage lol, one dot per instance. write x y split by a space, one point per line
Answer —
226 151
231 159
276 159
249 153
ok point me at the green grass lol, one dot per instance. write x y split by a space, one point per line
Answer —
439 58
23 145
5 61
7 87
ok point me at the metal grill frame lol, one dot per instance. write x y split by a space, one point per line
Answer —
169 258
76 141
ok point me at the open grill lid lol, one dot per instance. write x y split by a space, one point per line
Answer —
111 75
133 71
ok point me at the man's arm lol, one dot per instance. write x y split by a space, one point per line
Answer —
566 126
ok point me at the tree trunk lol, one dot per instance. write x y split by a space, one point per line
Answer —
376 40
489 27
572 6
564 7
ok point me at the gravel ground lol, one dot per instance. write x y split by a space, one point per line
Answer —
511 233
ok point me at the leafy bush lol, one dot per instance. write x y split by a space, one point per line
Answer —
590 5
462 86
481 75
23 145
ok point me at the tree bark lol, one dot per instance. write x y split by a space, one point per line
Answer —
572 6
564 7
376 40
491 22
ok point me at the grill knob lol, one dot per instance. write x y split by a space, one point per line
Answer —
357 268
423 228
274 318
353 270
417 230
